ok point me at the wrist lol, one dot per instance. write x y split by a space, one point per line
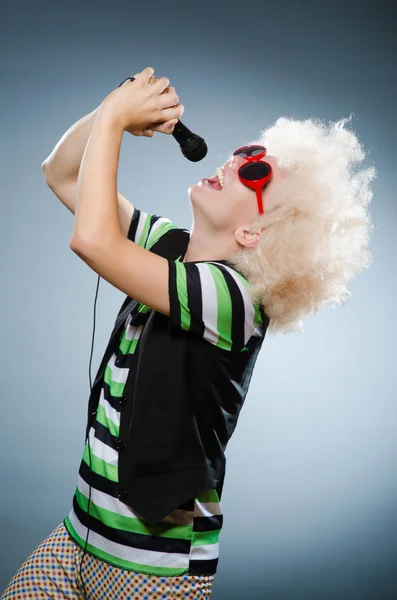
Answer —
107 118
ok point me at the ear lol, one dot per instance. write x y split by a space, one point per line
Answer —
246 237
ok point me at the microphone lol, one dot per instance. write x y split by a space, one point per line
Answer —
193 147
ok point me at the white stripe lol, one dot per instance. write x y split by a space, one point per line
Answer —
118 374
103 500
210 303
179 517
205 552
103 451
156 225
142 557
133 332
207 509
161 221
111 413
249 309
141 222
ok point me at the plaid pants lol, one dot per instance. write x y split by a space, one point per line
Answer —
52 571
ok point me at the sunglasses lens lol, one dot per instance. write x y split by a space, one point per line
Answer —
250 151
255 170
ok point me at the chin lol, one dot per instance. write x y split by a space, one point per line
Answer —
200 190
195 193
190 190
199 203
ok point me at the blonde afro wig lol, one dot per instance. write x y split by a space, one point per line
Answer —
316 222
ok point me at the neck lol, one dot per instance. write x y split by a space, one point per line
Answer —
208 247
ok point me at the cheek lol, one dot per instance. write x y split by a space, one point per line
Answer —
239 201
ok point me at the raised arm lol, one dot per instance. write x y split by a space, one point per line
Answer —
61 168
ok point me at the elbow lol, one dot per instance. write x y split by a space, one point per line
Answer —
81 249
85 247
44 166
77 245
46 170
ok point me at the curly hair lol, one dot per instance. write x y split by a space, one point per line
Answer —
316 222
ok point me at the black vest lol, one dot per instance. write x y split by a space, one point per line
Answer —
179 411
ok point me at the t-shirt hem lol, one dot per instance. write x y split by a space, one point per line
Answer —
143 571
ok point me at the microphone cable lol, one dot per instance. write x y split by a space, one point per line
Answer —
89 449
87 438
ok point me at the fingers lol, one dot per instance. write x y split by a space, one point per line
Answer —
175 112
167 127
168 108
141 75
171 98
168 114
161 84
153 79
145 75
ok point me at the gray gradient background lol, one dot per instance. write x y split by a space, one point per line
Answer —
310 496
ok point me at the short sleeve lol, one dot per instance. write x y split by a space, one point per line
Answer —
212 300
146 229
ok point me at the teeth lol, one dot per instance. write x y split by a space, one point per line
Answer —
221 176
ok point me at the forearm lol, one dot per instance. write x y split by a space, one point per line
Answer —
96 217
64 161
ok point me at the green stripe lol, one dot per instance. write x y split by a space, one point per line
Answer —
116 388
132 524
208 496
257 315
202 538
143 308
145 230
159 232
102 418
181 288
100 466
243 279
128 346
224 323
119 562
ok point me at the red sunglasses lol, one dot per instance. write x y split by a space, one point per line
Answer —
255 173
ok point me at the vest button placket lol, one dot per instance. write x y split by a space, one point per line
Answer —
123 493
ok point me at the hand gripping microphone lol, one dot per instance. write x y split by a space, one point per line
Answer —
193 147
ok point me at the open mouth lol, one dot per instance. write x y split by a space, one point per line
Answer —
218 182
213 183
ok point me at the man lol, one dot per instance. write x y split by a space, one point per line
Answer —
274 238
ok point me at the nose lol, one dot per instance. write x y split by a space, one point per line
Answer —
236 162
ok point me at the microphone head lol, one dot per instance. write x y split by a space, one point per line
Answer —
194 148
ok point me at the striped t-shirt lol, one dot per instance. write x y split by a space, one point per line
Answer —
209 299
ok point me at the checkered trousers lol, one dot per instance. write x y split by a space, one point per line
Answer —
53 571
